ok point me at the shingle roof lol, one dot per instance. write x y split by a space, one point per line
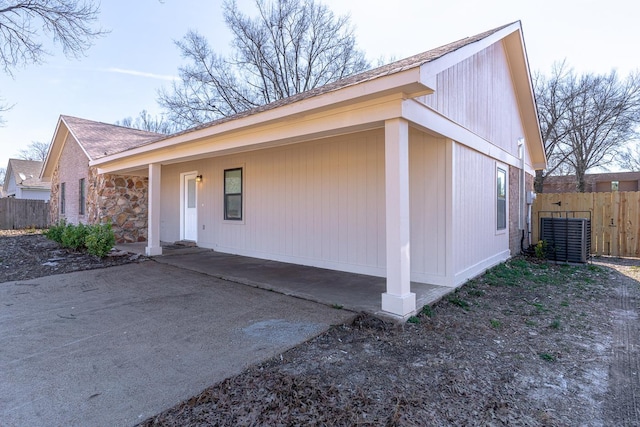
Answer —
102 139
385 70
27 173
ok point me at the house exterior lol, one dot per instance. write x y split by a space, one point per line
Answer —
22 180
79 194
594 183
415 171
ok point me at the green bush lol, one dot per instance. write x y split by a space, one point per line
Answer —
73 236
100 239
541 249
97 239
55 231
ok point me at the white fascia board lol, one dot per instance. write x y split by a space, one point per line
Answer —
55 150
521 76
431 69
347 119
52 146
432 121
47 158
408 83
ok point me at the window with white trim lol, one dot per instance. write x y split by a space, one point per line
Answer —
501 198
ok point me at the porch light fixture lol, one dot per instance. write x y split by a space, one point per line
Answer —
199 178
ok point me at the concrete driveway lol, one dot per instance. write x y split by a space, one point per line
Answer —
117 345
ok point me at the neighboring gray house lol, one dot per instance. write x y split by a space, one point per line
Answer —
22 180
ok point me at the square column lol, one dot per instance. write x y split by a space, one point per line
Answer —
153 211
398 300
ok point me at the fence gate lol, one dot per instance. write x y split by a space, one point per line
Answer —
615 218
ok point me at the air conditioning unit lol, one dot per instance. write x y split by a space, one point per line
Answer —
567 239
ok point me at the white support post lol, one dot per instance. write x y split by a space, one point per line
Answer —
398 300
450 167
153 211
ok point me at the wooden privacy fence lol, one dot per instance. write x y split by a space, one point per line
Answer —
615 218
21 213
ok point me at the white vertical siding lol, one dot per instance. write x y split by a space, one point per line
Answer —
476 241
428 170
318 203
321 203
170 203
478 94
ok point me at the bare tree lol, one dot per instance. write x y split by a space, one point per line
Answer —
35 151
24 23
68 23
3 173
553 101
629 158
586 120
290 46
146 121
602 121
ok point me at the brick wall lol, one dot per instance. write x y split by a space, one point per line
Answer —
599 182
73 165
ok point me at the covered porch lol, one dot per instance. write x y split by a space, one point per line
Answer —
349 291
363 166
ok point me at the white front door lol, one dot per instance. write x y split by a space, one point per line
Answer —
189 207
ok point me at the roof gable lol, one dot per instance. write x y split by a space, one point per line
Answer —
408 78
99 139
412 62
96 139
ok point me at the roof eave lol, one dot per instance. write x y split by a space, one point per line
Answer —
523 85
408 83
47 168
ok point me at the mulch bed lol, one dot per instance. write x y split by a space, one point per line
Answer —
26 255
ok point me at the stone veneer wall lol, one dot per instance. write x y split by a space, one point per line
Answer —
121 200
54 200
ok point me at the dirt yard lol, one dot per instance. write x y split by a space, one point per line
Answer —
528 344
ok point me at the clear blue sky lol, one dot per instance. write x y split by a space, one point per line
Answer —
121 74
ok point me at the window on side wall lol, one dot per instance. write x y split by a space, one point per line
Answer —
501 194
233 194
81 197
62 197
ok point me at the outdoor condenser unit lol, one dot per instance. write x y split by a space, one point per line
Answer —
568 239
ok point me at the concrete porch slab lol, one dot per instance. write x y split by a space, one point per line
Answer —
356 292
